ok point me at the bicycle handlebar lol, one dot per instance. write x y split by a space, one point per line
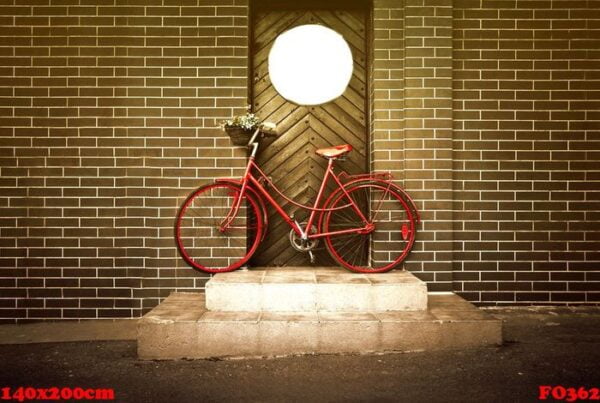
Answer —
268 129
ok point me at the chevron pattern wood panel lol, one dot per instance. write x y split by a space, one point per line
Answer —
291 160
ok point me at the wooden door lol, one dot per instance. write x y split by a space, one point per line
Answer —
291 160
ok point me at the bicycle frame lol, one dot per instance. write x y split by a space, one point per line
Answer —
349 213
305 233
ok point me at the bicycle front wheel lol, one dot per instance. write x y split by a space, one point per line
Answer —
387 245
198 228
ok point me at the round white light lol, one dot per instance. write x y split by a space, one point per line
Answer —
310 64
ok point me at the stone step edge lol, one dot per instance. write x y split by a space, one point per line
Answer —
176 330
288 293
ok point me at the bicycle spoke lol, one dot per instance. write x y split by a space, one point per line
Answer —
349 250
354 256
345 215
348 242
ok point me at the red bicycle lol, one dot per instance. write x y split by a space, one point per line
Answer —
368 223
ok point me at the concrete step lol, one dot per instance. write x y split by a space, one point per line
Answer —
181 327
314 289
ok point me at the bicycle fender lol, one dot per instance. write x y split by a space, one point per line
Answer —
377 179
233 181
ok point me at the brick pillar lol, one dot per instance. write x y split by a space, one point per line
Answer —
387 95
428 134
412 121
387 90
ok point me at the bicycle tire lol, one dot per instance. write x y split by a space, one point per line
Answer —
387 245
197 234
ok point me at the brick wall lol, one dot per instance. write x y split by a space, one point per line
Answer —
428 134
527 151
486 111
108 118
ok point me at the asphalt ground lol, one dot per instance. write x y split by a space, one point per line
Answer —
557 347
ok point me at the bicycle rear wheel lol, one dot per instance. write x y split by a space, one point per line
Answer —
387 245
197 229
